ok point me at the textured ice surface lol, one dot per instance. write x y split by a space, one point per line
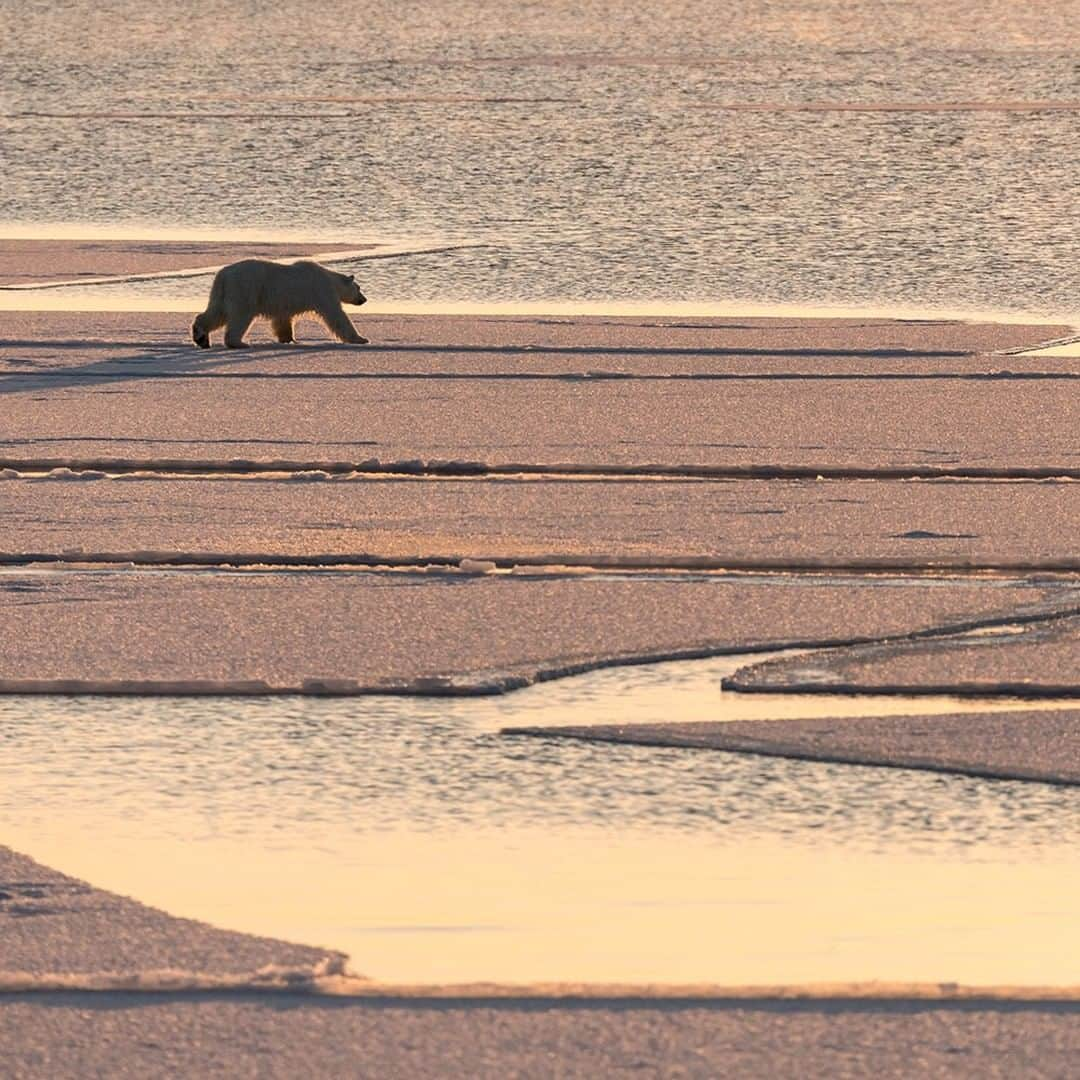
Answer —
446 632
1039 746
779 395
61 932
369 518
1036 660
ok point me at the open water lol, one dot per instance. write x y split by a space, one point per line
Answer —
839 152
411 835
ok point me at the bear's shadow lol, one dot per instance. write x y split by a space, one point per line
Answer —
144 362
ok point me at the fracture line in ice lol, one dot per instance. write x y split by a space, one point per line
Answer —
342 984
383 251
12 468
489 563
330 973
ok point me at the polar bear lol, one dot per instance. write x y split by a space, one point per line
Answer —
278 292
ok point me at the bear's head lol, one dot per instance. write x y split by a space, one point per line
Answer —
349 291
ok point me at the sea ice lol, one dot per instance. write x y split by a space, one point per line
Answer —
477 566
72 474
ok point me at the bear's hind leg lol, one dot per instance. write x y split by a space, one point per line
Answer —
282 326
235 329
340 325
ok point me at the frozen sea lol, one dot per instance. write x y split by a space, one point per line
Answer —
839 152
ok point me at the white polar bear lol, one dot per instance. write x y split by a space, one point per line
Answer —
278 292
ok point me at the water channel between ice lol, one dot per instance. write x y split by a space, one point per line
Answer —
177 292
408 833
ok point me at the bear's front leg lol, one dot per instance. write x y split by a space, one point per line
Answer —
235 329
340 325
204 325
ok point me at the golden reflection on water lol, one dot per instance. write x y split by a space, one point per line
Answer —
407 835
117 298
598 905
111 298
1068 348
685 692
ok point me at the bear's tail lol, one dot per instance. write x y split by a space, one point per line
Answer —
213 317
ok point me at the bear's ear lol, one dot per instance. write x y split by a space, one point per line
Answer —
352 278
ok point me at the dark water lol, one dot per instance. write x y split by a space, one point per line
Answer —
583 142
407 833
264 769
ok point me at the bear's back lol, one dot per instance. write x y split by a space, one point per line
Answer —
279 289
304 270
253 270
266 270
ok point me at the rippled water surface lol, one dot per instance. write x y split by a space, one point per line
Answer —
600 150
263 764
408 833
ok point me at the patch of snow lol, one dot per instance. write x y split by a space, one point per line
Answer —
328 975
141 687
477 566
72 474
817 675
307 476
330 687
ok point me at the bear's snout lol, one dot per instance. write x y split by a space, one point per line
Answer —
360 298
